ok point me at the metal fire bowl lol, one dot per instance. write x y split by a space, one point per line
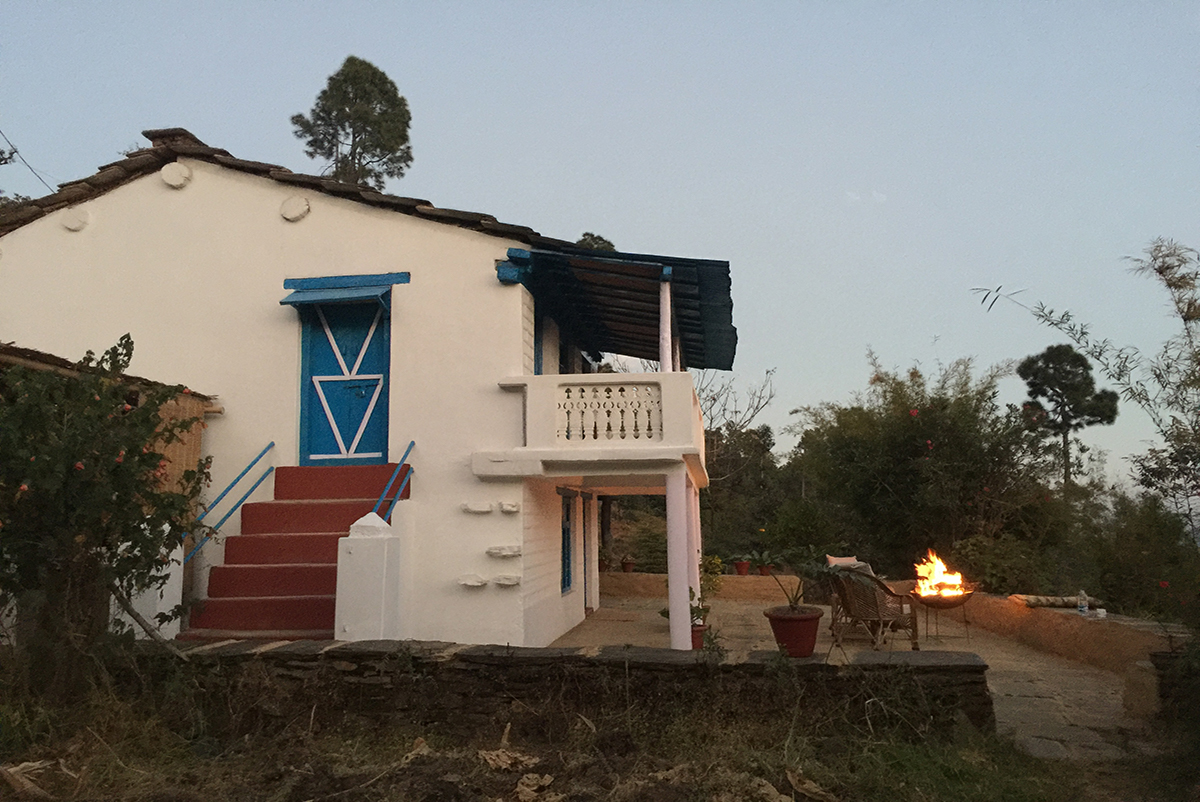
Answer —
945 602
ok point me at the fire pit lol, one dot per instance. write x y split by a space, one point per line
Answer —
939 602
937 589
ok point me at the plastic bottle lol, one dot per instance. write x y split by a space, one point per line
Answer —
1081 603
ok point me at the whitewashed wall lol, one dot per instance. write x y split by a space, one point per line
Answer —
196 275
548 611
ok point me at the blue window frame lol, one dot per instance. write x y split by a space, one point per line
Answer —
567 502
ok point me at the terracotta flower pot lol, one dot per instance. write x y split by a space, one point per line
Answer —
765 570
742 567
795 628
698 631
627 566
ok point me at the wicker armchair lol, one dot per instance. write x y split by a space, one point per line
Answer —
861 599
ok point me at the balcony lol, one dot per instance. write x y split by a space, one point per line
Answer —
603 424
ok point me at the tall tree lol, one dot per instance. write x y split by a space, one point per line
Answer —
595 241
1063 377
359 124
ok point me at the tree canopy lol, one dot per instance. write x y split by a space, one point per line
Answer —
359 124
915 463
595 241
1165 385
1063 377
87 507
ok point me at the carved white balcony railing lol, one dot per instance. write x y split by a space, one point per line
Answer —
610 424
612 412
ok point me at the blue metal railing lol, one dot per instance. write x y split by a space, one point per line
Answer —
404 484
239 502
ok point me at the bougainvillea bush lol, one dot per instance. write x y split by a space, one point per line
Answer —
916 463
86 509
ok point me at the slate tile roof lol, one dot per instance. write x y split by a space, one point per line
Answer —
11 354
609 299
168 144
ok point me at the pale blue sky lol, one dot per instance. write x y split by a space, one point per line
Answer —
861 165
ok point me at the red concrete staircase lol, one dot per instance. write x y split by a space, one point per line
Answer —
279 579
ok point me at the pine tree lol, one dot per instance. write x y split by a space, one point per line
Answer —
1063 377
359 124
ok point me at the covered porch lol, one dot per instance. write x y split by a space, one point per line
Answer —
612 434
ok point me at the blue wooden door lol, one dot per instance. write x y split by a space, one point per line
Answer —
344 398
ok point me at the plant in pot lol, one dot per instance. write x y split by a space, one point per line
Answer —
605 560
627 563
741 564
794 624
763 560
712 570
699 611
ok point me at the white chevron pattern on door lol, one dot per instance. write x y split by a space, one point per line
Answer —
348 374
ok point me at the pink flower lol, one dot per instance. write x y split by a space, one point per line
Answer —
186 391
127 407
24 488
1164 584
79 466
913 412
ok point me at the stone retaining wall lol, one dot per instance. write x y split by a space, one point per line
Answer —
1114 643
475 691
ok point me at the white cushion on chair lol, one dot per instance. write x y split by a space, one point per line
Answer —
852 563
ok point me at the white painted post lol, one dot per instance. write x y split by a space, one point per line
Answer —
592 512
368 578
694 547
665 354
677 559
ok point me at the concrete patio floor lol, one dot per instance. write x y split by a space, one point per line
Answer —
1051 706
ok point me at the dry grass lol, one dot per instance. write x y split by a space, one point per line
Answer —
241 735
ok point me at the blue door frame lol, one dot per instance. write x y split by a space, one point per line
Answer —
345 357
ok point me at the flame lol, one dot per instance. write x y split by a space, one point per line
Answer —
934 580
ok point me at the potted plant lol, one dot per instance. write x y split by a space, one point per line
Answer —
698 631
699 612
794 624
712 571
764 561
605 560
741 564
627 563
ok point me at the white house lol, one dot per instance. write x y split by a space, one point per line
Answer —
342 324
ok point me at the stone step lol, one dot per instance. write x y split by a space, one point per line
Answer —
336 482
265 613
310 579
301 516
304 548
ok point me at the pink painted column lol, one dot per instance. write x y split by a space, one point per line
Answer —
591 549
678 554
695 547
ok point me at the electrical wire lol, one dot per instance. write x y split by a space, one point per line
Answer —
17 153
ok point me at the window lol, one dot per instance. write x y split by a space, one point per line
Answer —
567 503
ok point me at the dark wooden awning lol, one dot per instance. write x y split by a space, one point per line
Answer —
608 302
